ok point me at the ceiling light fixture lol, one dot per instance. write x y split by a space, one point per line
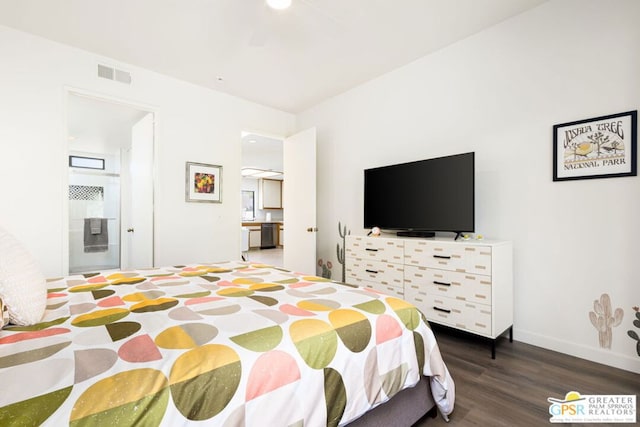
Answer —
267 174
279 4
250 171
259 173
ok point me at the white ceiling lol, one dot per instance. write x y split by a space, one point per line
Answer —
289 60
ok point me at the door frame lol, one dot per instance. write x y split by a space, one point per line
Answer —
266 134
272 135
75 91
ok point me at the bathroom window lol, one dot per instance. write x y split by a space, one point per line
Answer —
86 162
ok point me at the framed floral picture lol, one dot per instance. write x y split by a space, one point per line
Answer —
600 147
203 183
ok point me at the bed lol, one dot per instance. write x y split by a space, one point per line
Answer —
225 344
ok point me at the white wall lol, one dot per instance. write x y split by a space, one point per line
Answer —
499 93
193 124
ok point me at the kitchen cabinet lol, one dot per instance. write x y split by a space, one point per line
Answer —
270 194
255 239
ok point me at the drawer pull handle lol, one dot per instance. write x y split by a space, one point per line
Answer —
441 283
441 309
442 256
371 271
371 250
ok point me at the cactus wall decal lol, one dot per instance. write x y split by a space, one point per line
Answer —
633 334
326 268
342 231
604 320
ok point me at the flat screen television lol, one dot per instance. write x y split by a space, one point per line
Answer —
423 197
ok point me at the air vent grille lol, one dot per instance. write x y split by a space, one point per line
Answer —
111 73
105 72
123 76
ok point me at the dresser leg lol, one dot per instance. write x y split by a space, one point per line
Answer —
493 342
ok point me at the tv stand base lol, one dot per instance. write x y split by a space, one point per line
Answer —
412 233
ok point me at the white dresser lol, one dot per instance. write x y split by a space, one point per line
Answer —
375 263
467 285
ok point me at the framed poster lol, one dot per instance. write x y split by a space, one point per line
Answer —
601 147
203 183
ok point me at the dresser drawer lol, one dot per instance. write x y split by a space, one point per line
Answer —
461 314
447 311
384 273
451 284
386 289
416 296
478 318
459 257
375 249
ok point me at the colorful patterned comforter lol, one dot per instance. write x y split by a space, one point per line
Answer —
230 344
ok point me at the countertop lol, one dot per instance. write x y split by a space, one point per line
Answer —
254 223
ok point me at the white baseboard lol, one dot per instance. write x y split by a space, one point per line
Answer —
605 357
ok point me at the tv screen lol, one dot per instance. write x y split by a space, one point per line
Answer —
428 195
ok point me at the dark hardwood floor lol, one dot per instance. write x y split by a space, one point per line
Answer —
512 390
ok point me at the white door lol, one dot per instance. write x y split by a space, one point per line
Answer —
299 201
137 216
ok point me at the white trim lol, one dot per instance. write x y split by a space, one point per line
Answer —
109 98
270 135
68 91
605 357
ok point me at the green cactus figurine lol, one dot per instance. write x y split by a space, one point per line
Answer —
342 231
603 320
633 334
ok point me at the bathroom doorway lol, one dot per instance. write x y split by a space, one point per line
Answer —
110 194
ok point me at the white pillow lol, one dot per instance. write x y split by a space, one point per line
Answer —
23 288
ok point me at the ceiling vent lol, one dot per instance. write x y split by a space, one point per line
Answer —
123 76
105 72
114 74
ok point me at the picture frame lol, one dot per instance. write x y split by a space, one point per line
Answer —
203 183
599 147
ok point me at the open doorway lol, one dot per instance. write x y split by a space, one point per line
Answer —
262 211
110 147
296 196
